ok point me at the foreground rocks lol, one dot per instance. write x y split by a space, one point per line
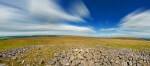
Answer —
98 56
14 52
101 57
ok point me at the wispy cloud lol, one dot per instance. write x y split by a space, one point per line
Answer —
135 24
42 17
47 17
107 29
79 9
51 10
137 21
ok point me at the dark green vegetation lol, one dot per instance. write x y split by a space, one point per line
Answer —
11 37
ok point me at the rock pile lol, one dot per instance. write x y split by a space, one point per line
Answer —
101 57
14 52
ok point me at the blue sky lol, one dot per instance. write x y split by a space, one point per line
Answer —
100 18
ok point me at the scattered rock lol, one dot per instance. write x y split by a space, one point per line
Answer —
41 61
129 63
53 61
85 57
27 64
13 53
99 56
65 62
58 64
2 64
125 64
14 58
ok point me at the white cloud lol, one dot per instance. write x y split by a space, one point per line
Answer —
79 9
137 21
15 3
50 9
47 17
7 13
14 21
136 24
45 27
107 29
46 33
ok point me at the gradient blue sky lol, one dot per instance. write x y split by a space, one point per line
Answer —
100 18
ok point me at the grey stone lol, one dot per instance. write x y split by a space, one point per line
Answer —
97 64
125 64
14 58
130 63
4 55
78 61
65 62
88 56
58 64
63 55
84 63
57 54
91 63
41 61
79 56
27 64
52 62
73 63
105 60
2 64
72 57
138 64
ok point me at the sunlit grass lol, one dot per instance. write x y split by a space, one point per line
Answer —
115 43
63 43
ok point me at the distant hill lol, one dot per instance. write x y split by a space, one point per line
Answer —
133 38
11 37
146 39
130 38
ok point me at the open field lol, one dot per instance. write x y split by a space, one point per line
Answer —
115 42
50 45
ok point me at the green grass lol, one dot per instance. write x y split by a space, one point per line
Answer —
135 47
115 43
4 38
11 46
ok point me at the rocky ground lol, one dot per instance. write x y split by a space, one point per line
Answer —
98 56
101 57
12 54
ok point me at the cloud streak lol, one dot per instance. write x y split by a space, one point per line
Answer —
51 10
135 24
42 17
47 17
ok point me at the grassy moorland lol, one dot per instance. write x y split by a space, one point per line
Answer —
60 43
131 43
